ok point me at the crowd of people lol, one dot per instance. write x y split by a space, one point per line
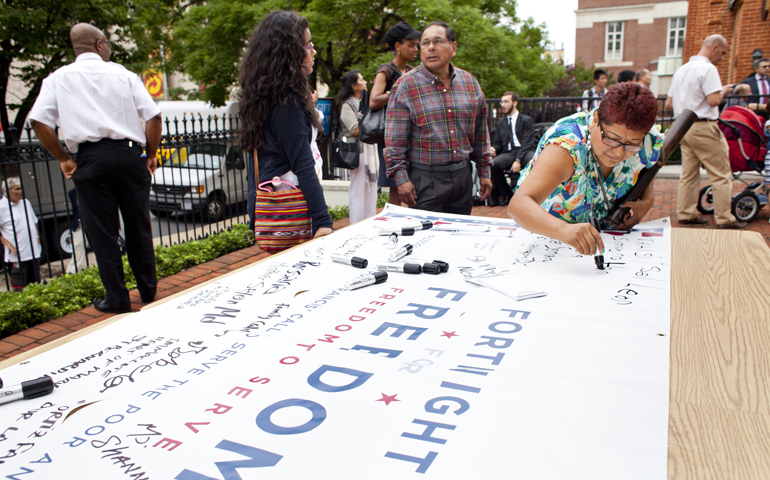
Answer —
435 138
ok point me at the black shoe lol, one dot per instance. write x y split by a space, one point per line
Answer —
505 201
492 201
105 307
148 298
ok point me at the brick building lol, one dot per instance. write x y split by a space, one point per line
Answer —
745 25
617 35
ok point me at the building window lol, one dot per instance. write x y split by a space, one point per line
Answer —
676 30
614 47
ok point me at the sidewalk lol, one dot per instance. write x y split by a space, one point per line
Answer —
665 206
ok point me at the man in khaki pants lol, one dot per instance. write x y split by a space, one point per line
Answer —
696 86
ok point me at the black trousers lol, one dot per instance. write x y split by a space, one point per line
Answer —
444 191
112 176
502 164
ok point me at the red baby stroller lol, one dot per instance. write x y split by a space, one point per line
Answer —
744 131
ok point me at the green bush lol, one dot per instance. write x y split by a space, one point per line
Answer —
39 303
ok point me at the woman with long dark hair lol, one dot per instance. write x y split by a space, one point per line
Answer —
403 40
362 193
276 110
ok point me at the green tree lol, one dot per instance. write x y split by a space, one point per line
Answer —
34 42
502 51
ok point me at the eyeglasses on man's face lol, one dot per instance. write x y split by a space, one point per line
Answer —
437 42
615 144
309 46
106 42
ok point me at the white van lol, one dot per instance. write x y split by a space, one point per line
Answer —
201 171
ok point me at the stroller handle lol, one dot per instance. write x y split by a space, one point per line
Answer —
674 136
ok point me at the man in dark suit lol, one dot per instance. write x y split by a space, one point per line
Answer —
760 85
513 146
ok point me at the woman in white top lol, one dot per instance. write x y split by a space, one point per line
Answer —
362 194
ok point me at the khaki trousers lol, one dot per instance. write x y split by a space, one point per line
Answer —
705 145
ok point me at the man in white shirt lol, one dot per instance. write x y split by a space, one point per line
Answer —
18 233
696 86
101 106
513 146
597 91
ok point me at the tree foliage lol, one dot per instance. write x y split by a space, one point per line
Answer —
503 52
34 41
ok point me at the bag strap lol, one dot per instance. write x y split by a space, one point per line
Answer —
256 166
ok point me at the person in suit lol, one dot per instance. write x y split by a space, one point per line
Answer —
760 85
513 146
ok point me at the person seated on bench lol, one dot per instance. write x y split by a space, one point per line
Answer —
585 163
513 146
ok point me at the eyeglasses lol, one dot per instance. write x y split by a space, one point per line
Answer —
437 42
615 144
97 42
310 46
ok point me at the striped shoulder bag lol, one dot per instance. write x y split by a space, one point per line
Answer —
281 219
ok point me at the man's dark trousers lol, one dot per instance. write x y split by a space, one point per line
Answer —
444 189
501 164
112 175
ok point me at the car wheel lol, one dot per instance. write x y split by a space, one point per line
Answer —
746 206
215 209
706 200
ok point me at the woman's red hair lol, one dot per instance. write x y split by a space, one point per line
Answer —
629 104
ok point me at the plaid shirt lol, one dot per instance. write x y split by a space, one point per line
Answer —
431 124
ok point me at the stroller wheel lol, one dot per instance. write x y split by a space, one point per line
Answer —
746 206
706 200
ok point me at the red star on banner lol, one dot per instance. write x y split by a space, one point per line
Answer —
449 335
388 398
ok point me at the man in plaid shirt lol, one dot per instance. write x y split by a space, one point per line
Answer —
435 123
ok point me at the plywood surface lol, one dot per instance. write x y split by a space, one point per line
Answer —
719 424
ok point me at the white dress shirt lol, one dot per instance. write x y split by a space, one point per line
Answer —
94 100
763 86
692 84
27 248
512 122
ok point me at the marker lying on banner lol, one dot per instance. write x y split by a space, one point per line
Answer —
29 389
366 280
399 267
357 262
398 231
442 265
401 253
418 225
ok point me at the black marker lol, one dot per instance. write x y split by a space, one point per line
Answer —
399 267
373 279
29 389
399 231
421 224
401 253
357 262
442 265
598 258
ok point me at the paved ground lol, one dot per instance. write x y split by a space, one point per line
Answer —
665 206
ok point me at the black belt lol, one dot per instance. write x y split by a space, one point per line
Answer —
451 167
705 120
124 142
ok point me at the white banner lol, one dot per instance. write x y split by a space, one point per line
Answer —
279 372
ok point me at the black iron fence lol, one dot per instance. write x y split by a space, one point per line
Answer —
199 187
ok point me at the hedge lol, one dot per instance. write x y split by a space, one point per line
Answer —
39 303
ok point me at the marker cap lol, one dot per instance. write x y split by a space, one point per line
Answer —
380 277
443 266
37 387
359 262
412 268
426 224
431 268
